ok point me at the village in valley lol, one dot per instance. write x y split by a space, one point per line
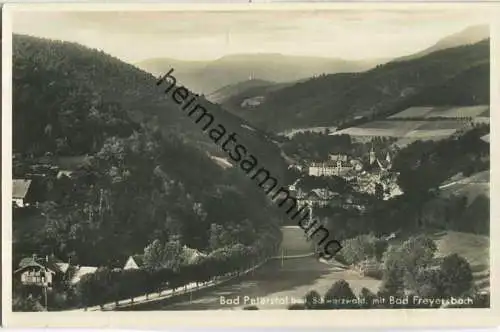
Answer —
366 177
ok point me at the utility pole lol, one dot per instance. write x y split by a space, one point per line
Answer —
45 293
44 284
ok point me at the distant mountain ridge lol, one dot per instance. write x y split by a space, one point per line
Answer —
331 100
208 76
469 35
235 99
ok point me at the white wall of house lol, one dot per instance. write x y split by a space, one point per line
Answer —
35 277
322 170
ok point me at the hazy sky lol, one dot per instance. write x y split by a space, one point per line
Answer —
349 34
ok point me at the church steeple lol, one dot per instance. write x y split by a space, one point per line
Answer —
373 158
388 159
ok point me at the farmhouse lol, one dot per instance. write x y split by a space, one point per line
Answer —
49 271
41 272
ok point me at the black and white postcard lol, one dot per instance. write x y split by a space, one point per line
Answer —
179 165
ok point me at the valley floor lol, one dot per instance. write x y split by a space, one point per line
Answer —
282 282
276 280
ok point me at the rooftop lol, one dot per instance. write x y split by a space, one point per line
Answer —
20 188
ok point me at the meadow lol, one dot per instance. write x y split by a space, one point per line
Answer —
420 123
429 112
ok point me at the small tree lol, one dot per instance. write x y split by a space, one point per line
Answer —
418 251
340 291
159 255
456 276
392 284
366 298
359 248
86 290
313 300
393 274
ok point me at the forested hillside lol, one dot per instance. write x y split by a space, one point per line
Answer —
460 73
146 175
228 91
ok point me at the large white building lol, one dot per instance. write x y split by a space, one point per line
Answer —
330 168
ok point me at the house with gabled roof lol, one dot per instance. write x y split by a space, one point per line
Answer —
48 271
38 271
134 262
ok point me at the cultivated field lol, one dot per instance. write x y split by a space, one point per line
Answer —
442 125
412 112
382 128
408 131
442 112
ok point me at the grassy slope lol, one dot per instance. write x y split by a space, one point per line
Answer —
474 248
471 187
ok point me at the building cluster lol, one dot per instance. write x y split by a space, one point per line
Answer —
344 166
48 271
364 175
